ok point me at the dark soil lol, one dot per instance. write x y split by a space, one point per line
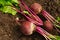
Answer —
9 30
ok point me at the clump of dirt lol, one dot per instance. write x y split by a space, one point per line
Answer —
9 30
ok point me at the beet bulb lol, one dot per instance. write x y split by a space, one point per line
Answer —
48 25
26 27
36 7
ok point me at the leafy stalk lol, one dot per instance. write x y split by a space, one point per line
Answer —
45 33
30 19
31 12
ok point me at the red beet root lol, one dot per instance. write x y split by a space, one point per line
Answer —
48 25
26 27
36 7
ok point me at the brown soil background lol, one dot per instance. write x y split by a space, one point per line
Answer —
9 29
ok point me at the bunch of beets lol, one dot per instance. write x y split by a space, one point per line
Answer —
33 21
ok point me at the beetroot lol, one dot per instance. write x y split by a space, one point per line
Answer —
27 27
48 25
36 7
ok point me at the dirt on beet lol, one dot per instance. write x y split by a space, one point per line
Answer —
9 30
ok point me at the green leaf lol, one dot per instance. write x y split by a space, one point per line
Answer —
57 37
58 18
5 2
5 6
26 12
8 9
16 1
